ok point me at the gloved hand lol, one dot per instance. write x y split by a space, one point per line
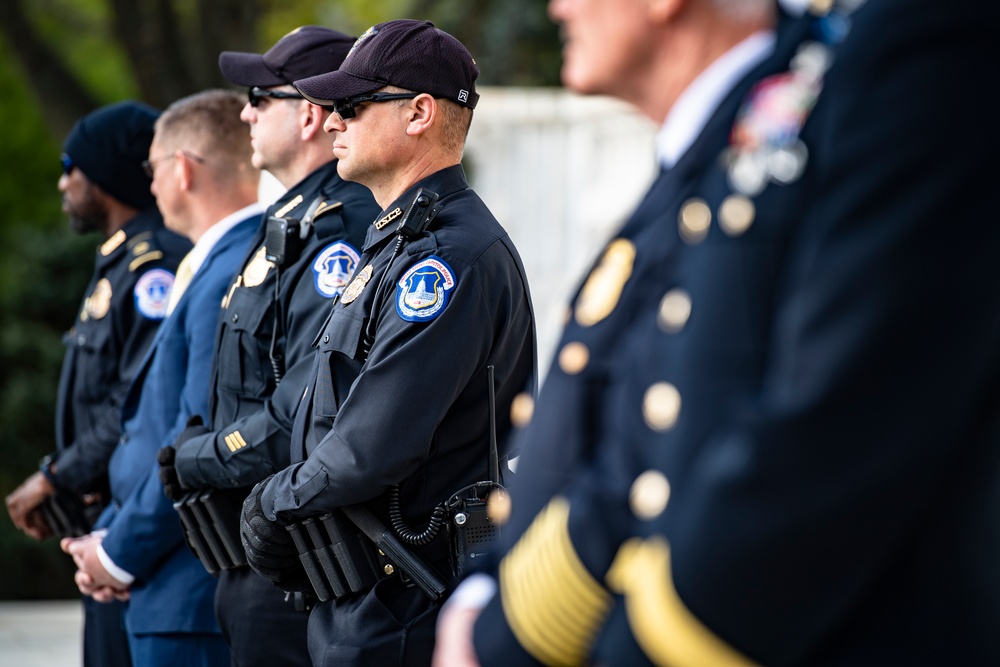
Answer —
168 474
172 486
269 548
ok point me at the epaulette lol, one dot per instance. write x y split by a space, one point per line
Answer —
143 249
284 210
113 242
326 207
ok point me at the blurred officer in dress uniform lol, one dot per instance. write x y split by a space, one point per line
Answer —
770 433
421 323
206 189
104 189
270 316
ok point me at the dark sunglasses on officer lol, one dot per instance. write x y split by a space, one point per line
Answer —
256 94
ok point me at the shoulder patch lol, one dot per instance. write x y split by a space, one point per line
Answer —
422 292
152 292
333 267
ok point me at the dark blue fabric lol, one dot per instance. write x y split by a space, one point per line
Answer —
172 591
834 471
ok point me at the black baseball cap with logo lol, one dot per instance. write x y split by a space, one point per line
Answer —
404 53
304 52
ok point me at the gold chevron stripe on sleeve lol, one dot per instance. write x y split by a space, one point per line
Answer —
669 634
552 603
235 441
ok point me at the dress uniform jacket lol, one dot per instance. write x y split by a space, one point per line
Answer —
125 303
250 426
451 303
782 447
172 592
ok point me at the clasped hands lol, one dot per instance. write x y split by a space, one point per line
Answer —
91 576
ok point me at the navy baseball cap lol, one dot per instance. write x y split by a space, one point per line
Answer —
305 51
405 53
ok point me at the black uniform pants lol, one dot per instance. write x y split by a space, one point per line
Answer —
105 642
391 625
261 628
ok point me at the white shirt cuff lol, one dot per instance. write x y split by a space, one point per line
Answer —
109 565
474 593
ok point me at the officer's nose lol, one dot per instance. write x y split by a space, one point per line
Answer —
248 113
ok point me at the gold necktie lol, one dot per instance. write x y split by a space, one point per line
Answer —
181 281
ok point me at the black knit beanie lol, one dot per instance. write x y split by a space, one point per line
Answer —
109 146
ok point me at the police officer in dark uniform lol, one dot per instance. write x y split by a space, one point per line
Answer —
105 190
422 321
269 319
789 458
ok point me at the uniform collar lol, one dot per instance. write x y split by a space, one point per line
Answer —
144 223
446 182
700 99
303 190
201 250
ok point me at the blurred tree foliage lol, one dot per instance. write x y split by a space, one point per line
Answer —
60 59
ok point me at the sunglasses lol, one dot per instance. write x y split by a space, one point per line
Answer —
346 108
256 94
149 166
67 164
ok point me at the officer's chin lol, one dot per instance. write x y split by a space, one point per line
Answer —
83 225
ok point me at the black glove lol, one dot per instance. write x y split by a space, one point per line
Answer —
269 548
168 474
172 486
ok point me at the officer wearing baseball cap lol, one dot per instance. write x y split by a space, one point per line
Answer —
273 309
104 189
439 300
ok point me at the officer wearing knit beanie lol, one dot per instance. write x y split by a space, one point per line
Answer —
109 146
121 311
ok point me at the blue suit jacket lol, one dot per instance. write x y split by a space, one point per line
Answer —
172 591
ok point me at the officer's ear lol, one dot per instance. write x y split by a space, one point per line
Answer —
311 118
422 114
185 169
662 11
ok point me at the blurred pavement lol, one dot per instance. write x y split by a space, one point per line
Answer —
40 633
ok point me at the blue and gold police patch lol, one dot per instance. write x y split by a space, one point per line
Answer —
152 293
422 292
333 267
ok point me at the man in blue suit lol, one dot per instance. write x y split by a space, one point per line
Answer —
206 188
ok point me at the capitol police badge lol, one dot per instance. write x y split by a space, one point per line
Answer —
98 303
422 292
357 285
604 286
333 267
257 269
152 293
